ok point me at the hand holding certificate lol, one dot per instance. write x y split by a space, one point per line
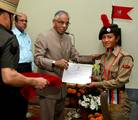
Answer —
77 73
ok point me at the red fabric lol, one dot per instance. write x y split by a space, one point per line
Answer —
29 92
121 12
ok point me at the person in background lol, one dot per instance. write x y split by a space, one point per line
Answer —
11 99
25 46
25 43
116 67
53 50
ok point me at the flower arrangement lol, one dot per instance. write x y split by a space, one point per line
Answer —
91 102
87 99
75 90
95 116
90 105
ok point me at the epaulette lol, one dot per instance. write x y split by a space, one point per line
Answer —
125 54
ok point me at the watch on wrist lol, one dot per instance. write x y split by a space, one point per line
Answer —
53 63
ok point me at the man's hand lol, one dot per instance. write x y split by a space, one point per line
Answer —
62 64
39 83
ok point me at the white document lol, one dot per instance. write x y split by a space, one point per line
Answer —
77 73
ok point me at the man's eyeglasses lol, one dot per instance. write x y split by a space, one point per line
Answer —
62 22
23 21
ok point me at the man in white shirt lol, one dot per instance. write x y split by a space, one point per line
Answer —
25 44
25 48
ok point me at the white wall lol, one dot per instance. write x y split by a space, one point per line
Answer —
85 23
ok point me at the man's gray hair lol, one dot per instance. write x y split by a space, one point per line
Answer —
59 13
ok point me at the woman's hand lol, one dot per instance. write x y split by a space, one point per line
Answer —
95 85
94 78
91 85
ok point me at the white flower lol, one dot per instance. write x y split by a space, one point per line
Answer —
92 104
86 98
98 101
89 101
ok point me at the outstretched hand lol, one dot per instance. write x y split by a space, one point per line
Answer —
40 82
94 78
91 85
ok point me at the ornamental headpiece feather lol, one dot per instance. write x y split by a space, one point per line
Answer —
105 20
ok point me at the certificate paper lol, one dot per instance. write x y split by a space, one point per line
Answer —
77 73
